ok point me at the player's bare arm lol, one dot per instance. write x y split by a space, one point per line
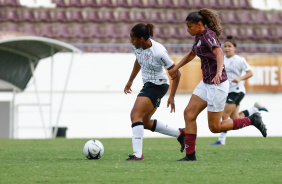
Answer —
135 71
173 89
189 57
248 74
220 60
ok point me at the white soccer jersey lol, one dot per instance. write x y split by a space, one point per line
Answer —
152 62
234 67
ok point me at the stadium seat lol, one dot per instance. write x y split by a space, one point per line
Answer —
137 4
139 16
108 16
171 17
110 31
92 16
124 31
75 3
10 3
76 15
44 15
174 32
90 3
183 16
159 32
196 3
60 16
107 3
78 31
156 17
60 3
261 18
249 33
183 4
29 29
276 18
278 32
244 4
94 31
11 27
153 4
235 32
27 15
214 4
122 3
46 30
246 17
124 16
11 15
167 4
265 33
232 17
228 4
62 31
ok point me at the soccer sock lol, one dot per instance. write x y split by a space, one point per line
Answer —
190 143
137 138
241 122
165 129
250 111
222 137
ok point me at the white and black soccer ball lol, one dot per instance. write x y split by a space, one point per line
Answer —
93 149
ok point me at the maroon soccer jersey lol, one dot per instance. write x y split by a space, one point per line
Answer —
203 48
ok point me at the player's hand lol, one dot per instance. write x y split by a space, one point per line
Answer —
216 80
237 80
170 102
127 88
173 73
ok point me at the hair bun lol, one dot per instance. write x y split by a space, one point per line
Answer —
229 37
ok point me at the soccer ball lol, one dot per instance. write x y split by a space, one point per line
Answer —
93 149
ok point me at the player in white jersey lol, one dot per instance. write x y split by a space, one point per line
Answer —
234 66
151 58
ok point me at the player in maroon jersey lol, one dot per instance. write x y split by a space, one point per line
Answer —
212 91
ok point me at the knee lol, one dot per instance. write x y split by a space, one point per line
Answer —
189 116
225 116
214 129
134 116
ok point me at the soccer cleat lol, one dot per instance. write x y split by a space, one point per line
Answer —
190 157
260 107
217 143
134 158
257 122
181 139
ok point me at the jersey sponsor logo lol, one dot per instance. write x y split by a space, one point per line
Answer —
164 62
214 41
146 57
186 146
199 43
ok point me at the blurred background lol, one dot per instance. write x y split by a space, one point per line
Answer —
93 104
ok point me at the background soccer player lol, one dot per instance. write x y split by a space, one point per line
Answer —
234 66
212 91
151 58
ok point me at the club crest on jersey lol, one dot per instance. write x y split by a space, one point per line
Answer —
199 43
146 57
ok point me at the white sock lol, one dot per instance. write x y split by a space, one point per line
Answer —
137 138
222 137
166 129
252 110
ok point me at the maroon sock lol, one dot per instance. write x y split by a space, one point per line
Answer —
241 122
190 142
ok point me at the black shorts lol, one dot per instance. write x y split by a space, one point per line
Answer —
235 98
154 92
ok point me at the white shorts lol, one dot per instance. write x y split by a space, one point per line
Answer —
214 95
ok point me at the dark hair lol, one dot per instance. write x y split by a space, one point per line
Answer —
231 40
143 30
208 17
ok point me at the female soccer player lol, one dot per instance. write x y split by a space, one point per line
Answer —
212 91
234 66
151 58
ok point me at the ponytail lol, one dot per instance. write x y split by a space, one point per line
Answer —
143 30
208 17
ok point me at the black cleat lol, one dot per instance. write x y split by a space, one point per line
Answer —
257 122
181 139
190 157
134 158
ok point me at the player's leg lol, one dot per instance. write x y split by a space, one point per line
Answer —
142 106
191 112
257 107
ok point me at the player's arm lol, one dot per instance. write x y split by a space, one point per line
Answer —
173 89
135 71
217 51
189 57
248 74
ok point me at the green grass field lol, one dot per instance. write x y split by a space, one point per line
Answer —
242 160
